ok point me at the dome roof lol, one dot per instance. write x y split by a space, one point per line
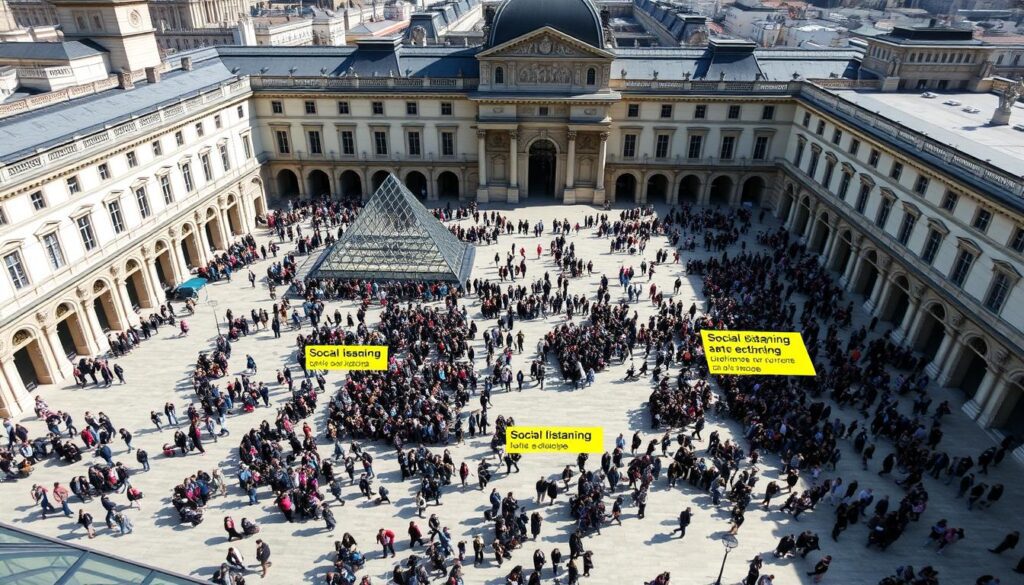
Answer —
576 18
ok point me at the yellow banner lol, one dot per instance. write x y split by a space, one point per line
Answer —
756 353
346 357
554 439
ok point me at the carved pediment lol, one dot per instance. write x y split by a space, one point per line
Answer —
546 43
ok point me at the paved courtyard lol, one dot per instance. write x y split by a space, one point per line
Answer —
632 554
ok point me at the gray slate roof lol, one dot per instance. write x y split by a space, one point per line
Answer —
65 51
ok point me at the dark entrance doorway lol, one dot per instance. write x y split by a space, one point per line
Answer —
542 168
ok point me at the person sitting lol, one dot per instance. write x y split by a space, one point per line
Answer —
249 527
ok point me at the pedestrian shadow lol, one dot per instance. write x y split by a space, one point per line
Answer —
659 539
311 531
208 570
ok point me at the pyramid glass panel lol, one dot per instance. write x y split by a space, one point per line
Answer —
396 238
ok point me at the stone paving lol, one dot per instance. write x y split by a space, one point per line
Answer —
634 553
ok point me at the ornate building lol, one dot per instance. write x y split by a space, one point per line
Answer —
922 221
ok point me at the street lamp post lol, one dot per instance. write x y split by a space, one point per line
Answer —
729 542
213 304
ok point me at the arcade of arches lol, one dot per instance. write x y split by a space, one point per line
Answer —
38 347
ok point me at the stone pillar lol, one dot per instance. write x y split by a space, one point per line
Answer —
14 398
852 267
985 404
152 277
812 222
791 216
941 368
569 196
513 165
831 247
602 159
910 317
92 323
481 155
123 303
60 365
878 290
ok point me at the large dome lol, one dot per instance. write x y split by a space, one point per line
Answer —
576 18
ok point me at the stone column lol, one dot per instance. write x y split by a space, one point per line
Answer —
879 289
481 155
58 359
902 331
831 247
602 159
812 222
791 216
941 368
569 195
513 166
14 398
92 322
122 302
152 276
984 406
851 266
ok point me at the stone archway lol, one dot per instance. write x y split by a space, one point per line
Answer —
71 332
868 274
105 306
318 184
803 215
448 185
844 247
29 360
377 180
689 190
970 367
753 192
287 183
212 227
721 191
625 187
416 182
541 169
819 236
235 223
657 189
259 204
931 332
137 287
895 307
351 185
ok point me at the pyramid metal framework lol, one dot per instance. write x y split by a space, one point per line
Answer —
396 238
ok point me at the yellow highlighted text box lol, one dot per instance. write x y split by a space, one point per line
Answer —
554 439
347 357
756 353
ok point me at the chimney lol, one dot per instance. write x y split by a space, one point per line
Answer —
124 80
152 75
186 63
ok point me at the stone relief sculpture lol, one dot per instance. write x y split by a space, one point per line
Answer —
546 74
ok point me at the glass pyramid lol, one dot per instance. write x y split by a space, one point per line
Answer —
396 238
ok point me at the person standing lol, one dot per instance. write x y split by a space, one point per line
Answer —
61 495
85 521
821 568
684 520
263 556
386 539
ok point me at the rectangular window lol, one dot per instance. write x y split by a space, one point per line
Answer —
348 143
821 128
760 148
629 146
982 220
666 110
896 171
949 201
85 230
447 144
53 251
961 267
73 186
768 113
807 120
38 202
873 157
277 107
446 108
812 167
247 146
1016 240
921 185
661 146
411 108
854 147
837 136
204 161
378 108
700 112
728 147
104 171
998 291
200 129
282 142
799 155
179 138
414 144
862 198
633 111
826 178
380 143
931 246
543 111
166 189
734 113
116 218
133 161
16 270
696 143
240 111
142 198
216 122
884 208
186 173
310 106
158 149
225 159
343 108
844 185
906 228
315 145
3 217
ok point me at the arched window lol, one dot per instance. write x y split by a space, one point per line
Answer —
591 76
499 76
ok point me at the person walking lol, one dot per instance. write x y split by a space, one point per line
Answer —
684 520
40 497
1009 541
263 556
229 527
821 568
386 539
85 521
61 495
